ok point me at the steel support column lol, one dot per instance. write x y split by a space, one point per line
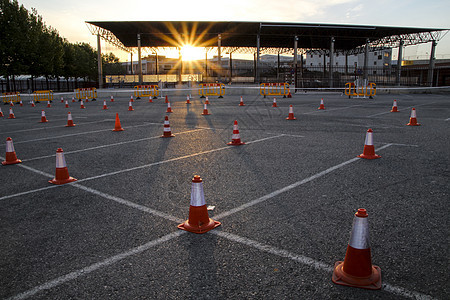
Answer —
99 63
219 54
139 59
431 65
257 68
399 62
295 61
330 75
366 60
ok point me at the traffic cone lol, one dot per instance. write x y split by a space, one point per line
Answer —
43 117
62 99
69 120
321 106
169 109
131 99
130 106
289 94
205 110
236 137
274 103
369 149
413 118
20 103
112 98
241 103
1 113
394 106
11 103
188 100
11 114
357 270
48 104
87 99
82 105
206 100
62 173
104 105
291 113
117 126
150 99
10 157
67 104
199 220
167 131
32 103
73 99
167 100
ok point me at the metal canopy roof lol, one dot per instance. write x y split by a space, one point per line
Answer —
123 34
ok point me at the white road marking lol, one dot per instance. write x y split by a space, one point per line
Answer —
60 126
389 112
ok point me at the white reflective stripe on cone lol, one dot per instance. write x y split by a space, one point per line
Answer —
60 160
291 110
359 238
69 116
197 196
9 146
369 139
235 136
413 113
43 114
167 129
10 111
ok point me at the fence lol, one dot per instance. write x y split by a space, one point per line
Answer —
86 93
11 97
146 91
45 95
211 89
274 89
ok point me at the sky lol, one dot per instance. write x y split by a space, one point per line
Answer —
69 16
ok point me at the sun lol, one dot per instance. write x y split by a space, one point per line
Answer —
189 52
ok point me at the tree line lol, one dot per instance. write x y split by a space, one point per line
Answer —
29 47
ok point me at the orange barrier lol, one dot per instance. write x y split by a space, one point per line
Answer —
9 97
274 89
211 89
83 93
146 91
46 95
360 89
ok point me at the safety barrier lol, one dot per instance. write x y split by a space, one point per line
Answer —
274 89
360 88
11 97
45 95
146 91
211 89
83 93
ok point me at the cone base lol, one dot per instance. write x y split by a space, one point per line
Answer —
62 181
118 129
416 124
105 107
17 161
394 109
205 114
71 125
373 282
199 229
234 143
11 117
289 118
43 121
167 135
274 105
371 156
130 109
241 104
168 111
321 107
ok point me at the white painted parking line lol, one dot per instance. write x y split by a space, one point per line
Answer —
89 269
60 126
332 109
104 146
447 119
310 262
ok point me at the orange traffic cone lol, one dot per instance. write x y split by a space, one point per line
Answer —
289 94
206 100
20 103
131 99
11 103
369 148
236 137
1 113
82 105
291 113
274 103
150 99
199 220
413 118
43 117
32 103
188 100
117 126
205 110
62 99
357 270
62 173
321 106
11 114
67 104
10 157
167 100
241 102
112 98
87 99
73 99
48 104
104 105
130 106
167 131
169 109
394 106
69 120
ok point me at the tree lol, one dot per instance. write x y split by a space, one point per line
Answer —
111 65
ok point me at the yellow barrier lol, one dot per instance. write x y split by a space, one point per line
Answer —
11 97
211 89
83 93
353 89
43 96
146 91
274 89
